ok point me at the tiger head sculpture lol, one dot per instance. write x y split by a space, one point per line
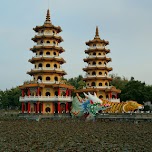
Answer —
131 106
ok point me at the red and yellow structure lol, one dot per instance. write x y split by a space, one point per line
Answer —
47 93
97 70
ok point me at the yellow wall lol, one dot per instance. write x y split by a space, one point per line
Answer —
47 62
50 105
51 90
51 52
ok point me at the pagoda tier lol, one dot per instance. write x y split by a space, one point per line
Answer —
97 58
46 71
97 40
47 26
94 67
47 58
47 36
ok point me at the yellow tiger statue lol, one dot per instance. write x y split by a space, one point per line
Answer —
122 107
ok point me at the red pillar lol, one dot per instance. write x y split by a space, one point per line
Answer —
67 109
22 107
22 93
59 92
29 107
59 108
38 107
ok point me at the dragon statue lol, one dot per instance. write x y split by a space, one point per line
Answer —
92 105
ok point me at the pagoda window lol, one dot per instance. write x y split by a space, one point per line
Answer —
105 73
106 84
39 78
93 73
47 94
42 31
41 53
100 73
54 53
107 96
47 41
93 84
54 42
40 65
55 66
104 63
35 66
53 32
100 63
100 84
94 63
94 45
48 65
88 84
56 78
94 53
47 53
99 53
103 53
41 42
48 78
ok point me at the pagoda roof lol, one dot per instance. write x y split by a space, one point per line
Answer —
42 85
53 71
98 78
43 58
97 68
110 89
97 39
97 58
47 24
95 49
39 37
41 47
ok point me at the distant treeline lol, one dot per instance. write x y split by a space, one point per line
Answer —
131 90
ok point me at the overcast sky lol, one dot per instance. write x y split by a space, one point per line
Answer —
126 24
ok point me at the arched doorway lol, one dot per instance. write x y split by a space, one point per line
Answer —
101 96
47 109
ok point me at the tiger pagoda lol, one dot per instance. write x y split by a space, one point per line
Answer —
47 93
97 77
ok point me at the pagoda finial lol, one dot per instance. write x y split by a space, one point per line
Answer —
48 17
97 32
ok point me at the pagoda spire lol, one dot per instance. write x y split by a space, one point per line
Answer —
97 32
48 17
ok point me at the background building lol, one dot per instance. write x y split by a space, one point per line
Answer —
97 71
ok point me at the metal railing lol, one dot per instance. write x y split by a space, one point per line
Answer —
45 98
